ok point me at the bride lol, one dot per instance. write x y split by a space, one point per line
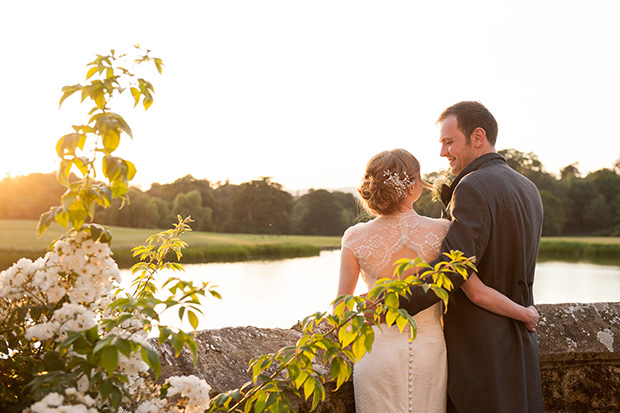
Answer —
398 375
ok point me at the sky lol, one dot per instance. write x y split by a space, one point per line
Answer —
305 92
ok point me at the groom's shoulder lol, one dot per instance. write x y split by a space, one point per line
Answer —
489 179
497 179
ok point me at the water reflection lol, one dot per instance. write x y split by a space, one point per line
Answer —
279 293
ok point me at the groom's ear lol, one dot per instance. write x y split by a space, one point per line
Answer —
479 137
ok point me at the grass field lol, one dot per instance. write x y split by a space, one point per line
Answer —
18 239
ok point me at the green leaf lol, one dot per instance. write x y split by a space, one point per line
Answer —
441 293
102 343
111 139
368 336
131 170
401 322
335 367
340 371
164 333
68 91
359 349
390 317
91 72
53 361
46 219
122 124
92 334
177 341
109 359
158 64
62 217
111 167
64 170
344 336
124 346
136 95
106 388
82 164
68 144
301 379
115 396
151 358
391 300
319 394
309 387
148 101
193 319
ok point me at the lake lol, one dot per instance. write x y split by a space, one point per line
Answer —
279 293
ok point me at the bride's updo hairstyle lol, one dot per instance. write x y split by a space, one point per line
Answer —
388 175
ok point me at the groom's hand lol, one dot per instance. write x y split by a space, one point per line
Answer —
532 322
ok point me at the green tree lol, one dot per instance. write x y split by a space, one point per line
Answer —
529 166
320 213
141 212
554 215
351 206
223 194
570 172
607 182
588 212
28 196
190 204
262 207
183 185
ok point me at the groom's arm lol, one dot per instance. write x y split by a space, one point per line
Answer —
468 232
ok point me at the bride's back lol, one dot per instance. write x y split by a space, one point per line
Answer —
379 243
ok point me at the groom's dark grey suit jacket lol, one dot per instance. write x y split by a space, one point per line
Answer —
497 217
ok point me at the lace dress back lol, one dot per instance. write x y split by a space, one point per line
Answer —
398 375
379 243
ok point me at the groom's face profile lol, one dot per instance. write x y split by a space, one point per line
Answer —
454 145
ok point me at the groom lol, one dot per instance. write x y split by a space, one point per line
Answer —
497 217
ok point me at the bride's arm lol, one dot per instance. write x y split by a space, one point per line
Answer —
349 273
496 302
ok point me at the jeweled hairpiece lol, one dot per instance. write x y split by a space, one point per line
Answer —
400 185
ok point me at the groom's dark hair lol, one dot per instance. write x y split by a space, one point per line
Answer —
471 115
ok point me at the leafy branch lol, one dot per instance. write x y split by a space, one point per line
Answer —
98 138
349 336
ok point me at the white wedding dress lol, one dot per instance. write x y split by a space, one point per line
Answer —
398 375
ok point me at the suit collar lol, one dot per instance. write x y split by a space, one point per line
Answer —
480 162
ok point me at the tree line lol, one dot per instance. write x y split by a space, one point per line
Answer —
573 204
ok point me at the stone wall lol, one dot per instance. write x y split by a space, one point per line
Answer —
579 348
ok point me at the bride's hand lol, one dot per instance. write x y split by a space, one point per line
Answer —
532 320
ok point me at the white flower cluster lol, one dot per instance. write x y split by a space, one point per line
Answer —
82 273
70 317
185 394
193 389
71 402
14 279
77 266
152 406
